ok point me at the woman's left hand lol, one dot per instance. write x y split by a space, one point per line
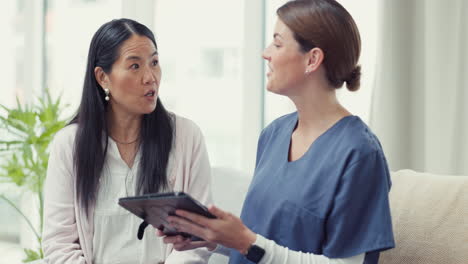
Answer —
227 229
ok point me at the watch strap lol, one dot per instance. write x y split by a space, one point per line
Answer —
255 252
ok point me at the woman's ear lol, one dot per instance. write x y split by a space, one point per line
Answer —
101 77
314 58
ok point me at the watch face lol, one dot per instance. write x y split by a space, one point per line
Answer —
255 253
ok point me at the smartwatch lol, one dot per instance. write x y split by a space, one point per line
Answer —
255 253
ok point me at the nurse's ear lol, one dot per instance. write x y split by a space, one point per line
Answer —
313 59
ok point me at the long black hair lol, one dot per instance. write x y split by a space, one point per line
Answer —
91 142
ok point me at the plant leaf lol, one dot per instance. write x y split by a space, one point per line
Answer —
31 255
14 170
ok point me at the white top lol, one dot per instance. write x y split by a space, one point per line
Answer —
115 228
108 235
276 254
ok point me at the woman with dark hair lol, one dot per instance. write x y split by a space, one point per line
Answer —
320 189
122 142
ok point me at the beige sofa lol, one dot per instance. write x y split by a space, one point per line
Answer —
430 219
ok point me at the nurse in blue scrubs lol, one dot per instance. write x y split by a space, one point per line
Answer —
320 189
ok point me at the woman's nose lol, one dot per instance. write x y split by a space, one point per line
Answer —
149 77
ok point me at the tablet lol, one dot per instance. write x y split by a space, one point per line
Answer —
154 209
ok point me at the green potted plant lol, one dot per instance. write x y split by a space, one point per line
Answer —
24 154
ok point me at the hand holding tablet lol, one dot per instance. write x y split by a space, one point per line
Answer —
155 208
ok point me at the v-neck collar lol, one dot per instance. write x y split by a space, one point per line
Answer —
293 125
113 151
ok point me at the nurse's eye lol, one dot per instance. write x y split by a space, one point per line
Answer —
134 66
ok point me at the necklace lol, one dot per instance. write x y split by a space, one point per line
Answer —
125 143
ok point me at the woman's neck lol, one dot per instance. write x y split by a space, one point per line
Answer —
318 108
123 127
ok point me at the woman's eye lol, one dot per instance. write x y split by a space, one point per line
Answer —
135 66
155 62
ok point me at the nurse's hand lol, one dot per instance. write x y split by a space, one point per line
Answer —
227 230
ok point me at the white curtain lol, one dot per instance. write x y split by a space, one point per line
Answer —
419 109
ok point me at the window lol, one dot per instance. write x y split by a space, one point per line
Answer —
201 59
70 25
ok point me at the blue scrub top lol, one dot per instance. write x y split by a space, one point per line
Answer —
333 201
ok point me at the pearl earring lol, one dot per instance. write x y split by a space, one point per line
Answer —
106 91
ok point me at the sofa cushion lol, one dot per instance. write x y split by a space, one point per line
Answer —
430 219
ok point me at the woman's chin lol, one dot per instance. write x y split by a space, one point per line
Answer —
151 110
148 109
151 107
269 88
272 89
